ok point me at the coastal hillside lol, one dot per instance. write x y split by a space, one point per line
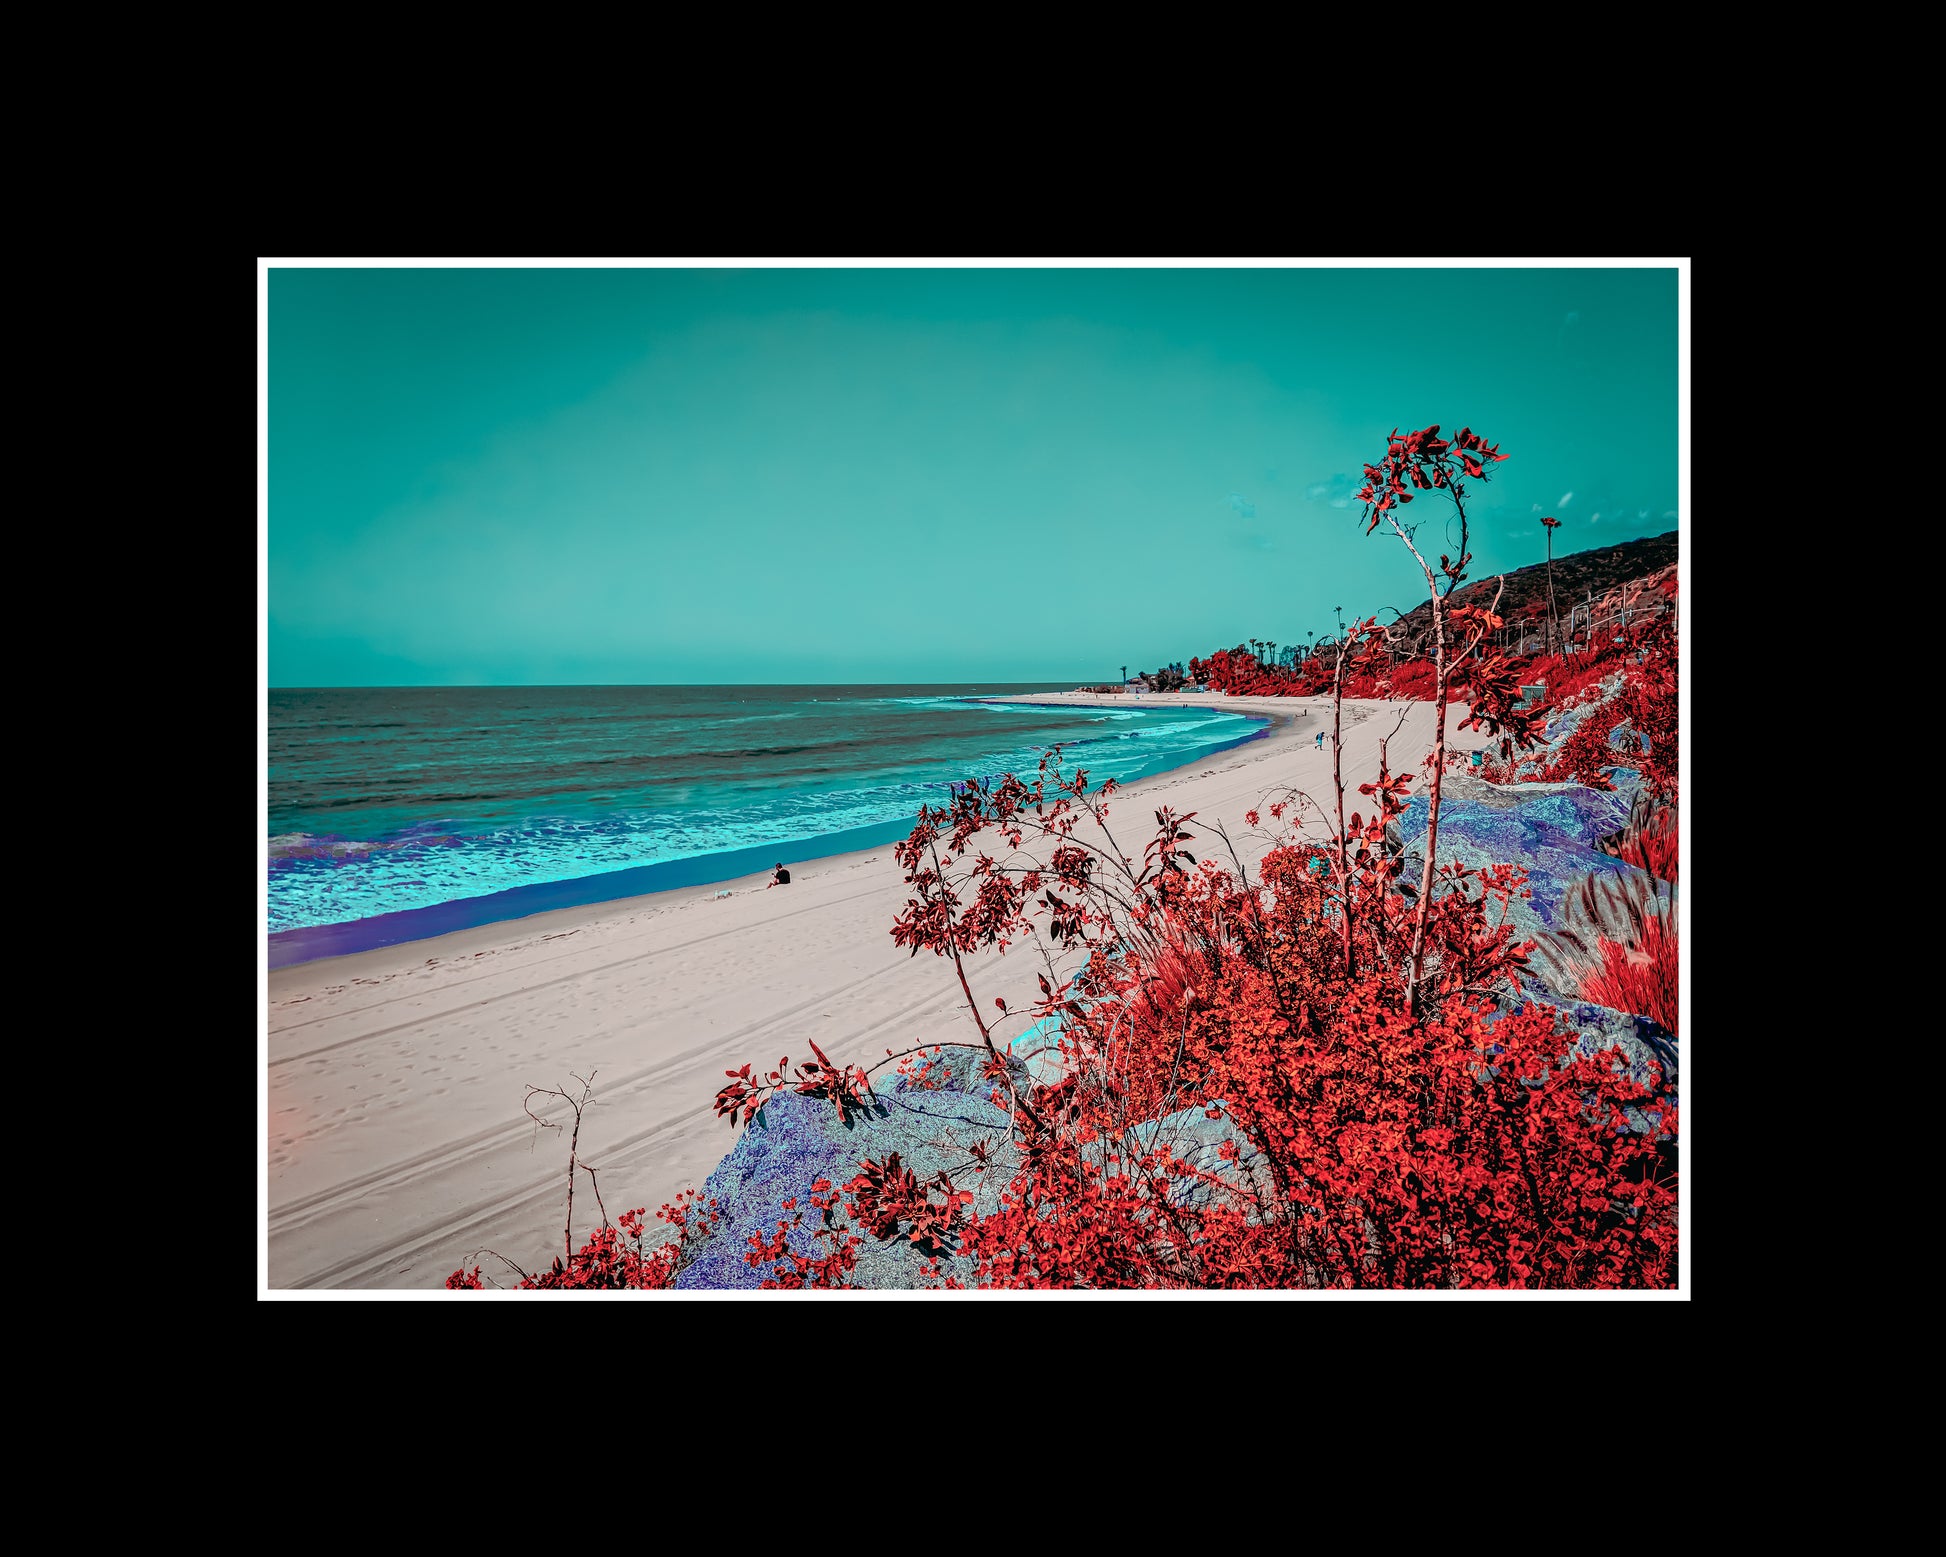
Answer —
1607 588
1598 572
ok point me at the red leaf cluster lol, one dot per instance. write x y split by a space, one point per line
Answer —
892 1202
617 1256
847 1086
794 1270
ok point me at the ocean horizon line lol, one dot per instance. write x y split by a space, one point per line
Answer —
1015 683
309 943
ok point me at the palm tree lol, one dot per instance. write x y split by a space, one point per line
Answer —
1553 622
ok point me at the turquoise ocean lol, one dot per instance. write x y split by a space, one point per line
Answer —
397 813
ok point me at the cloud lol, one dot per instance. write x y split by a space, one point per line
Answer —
1566 498
1594 519
1243 505
1574 317
1337 491
1670 514
1533 508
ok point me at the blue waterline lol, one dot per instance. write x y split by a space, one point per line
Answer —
364 784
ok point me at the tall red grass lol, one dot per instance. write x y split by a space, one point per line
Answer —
1640 979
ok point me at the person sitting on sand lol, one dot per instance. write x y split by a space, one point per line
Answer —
781 879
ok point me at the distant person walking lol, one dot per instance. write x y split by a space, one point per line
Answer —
781 879
1320 740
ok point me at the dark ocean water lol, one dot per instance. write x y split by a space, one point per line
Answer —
498 802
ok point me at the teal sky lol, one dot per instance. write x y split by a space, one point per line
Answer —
573 476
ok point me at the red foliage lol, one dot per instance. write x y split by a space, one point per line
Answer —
1237 673
1637 978
1380 1122
1633 726
849 1087
617 1256
1652 845
1367 1149
1359 1141
889 1194
1618 945
792 1270
1308 1079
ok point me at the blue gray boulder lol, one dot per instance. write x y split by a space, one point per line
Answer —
1552 831
798 1140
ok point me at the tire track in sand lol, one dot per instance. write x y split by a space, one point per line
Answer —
474 1005
301 1212
354 1269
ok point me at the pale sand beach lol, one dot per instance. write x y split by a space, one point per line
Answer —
397 1142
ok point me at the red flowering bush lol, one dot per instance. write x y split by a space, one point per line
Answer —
1632 725
1319 1076
1234 1109
1302 1080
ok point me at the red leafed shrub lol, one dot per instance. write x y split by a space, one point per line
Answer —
1235 1110
618 1256
1171 981
1648 703
1412 680
847 1086
1237 673
1362 1144
892 1202
1567 677
1585 757
1367 1148
1303 1080
1315 1078
792 1270
1635 726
